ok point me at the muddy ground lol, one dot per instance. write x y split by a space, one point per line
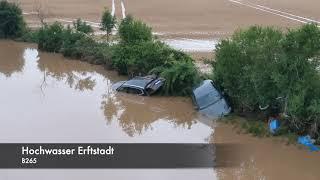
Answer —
192 19
189 18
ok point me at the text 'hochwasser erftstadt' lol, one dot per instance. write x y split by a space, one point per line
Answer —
80 150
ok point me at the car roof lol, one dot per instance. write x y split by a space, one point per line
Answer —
138 82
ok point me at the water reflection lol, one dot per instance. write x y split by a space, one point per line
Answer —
71 101
75 76
136 114
53 100
11 58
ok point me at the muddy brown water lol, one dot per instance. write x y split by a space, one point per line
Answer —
47 98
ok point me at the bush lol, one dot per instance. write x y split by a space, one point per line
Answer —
80 46
244 67
30 36
140 57
82 26
134 31
180 78
69 46
12 24
302 83
50 37
262 67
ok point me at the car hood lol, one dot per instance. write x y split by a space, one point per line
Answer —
116 85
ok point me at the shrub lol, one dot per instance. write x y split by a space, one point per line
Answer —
80 46
180 78
50 37
82 26
102 53
30 36
140 57
244 67
12 24
69 47
302 83
134 31
261 67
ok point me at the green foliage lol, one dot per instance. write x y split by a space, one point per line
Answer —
256 128
80 46
138 53
82 26
30 36
141 57
70 39
180 78
12 24
50 37
302 85
108 22
244 67
258 65
134 31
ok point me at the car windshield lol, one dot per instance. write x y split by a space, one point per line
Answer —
206 94
208 99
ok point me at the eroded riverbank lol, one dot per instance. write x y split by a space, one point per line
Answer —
47 98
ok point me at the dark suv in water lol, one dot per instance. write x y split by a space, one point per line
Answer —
144 86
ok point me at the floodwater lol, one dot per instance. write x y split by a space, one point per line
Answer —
192 45
47 98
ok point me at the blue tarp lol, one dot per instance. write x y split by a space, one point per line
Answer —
307 141
274 125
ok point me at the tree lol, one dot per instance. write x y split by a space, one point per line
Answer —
134 31
82 26
42 10
11 20
108 22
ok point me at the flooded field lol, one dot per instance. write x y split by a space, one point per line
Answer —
47 98
194 28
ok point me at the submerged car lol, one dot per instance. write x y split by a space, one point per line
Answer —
209 100
144 86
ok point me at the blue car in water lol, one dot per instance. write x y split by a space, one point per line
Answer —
209 100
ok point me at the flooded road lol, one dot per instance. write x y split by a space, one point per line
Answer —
46 98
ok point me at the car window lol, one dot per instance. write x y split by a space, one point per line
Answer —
134 91
131 90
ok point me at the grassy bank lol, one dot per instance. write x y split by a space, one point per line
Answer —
258 128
